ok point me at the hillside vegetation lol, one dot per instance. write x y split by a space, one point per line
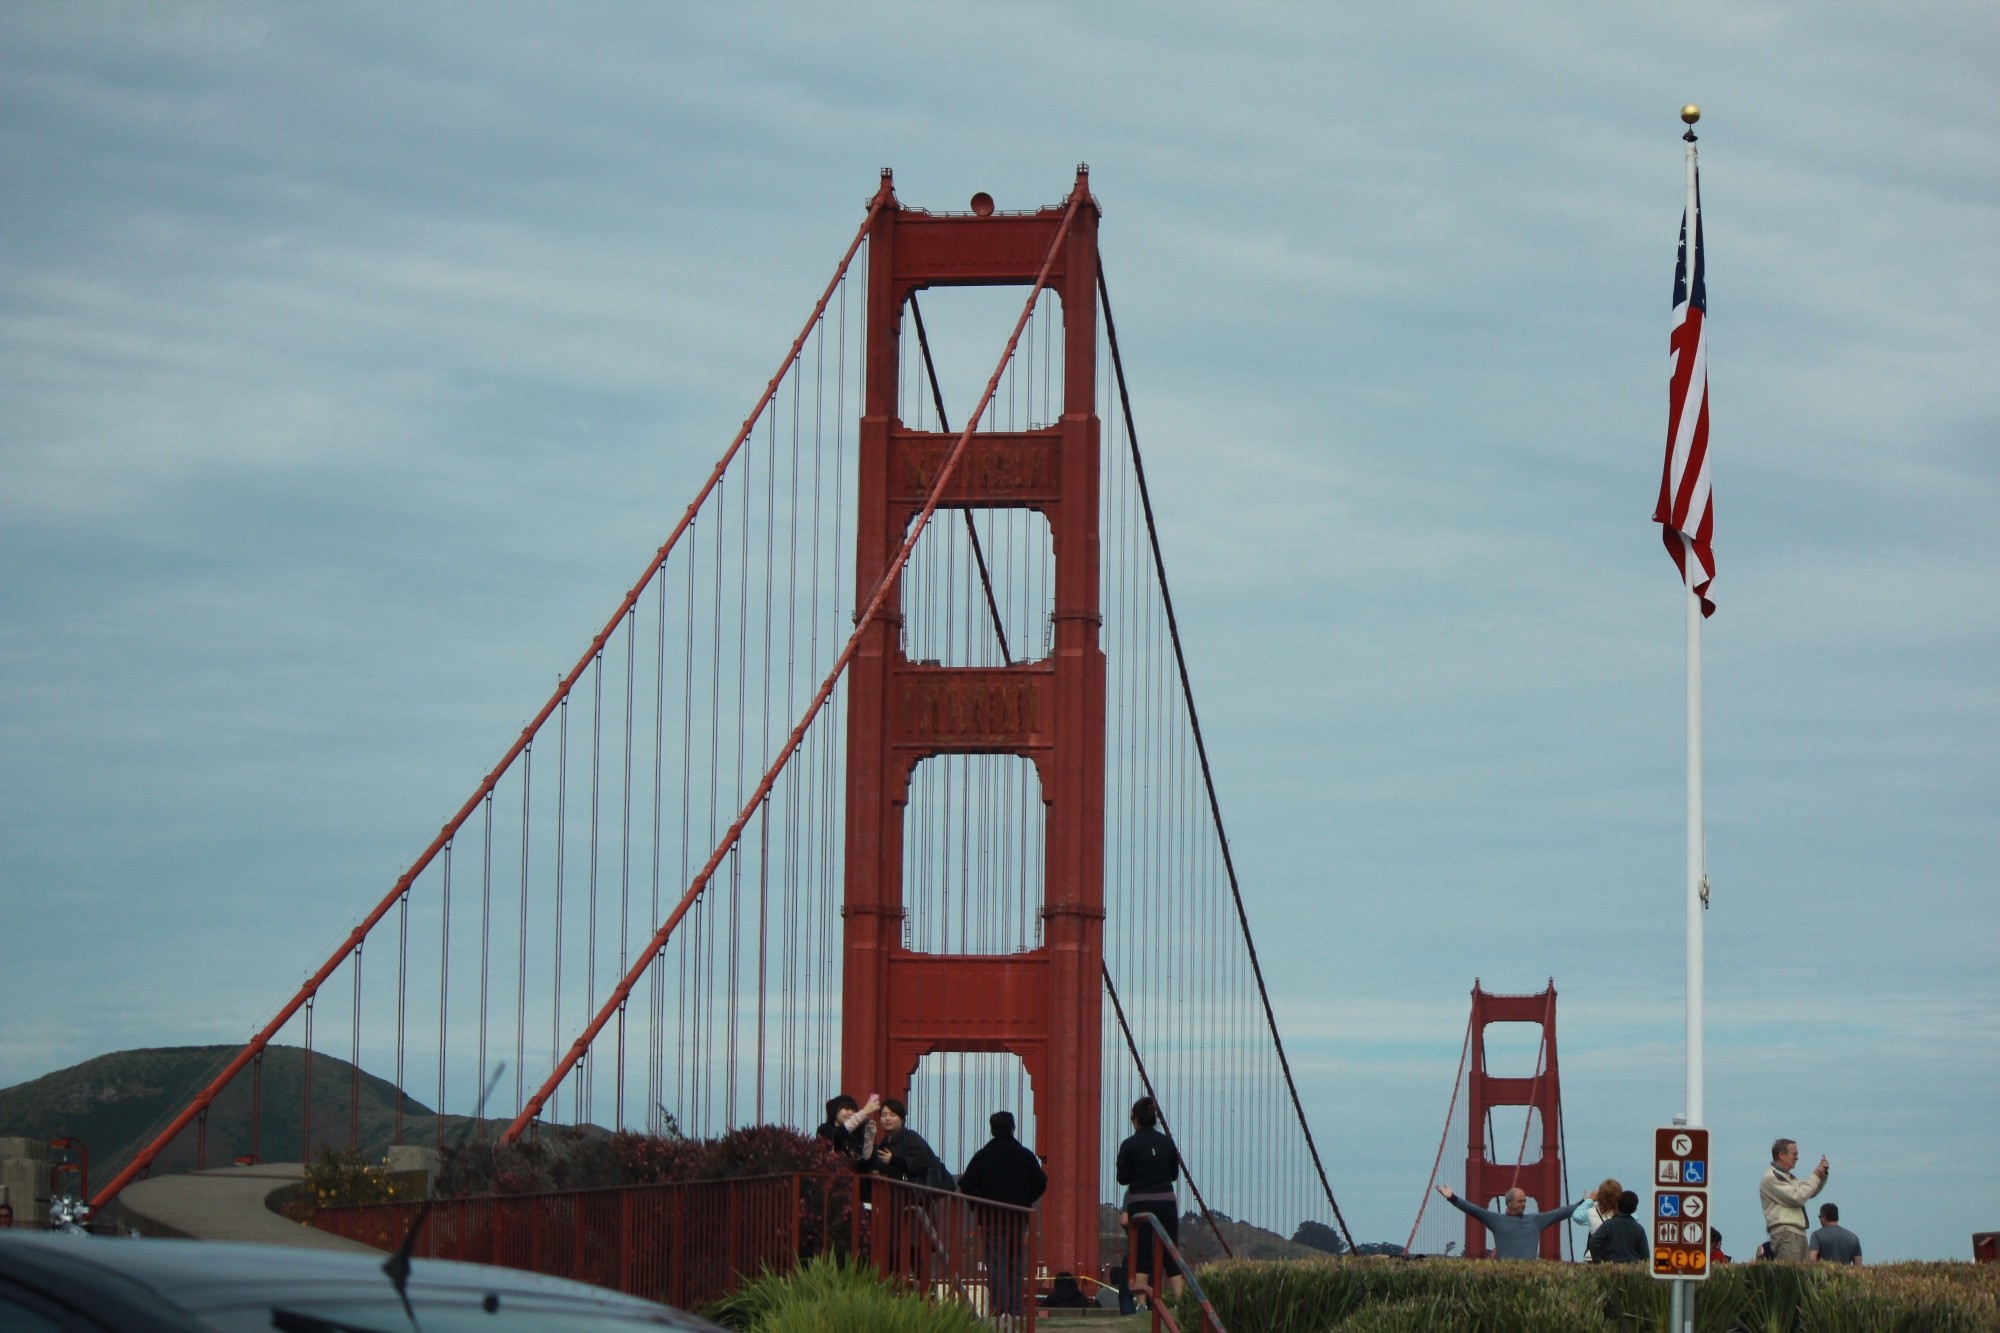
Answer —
1382 1295
116 1103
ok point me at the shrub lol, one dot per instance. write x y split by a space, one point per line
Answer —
343 1175
587 1158
1388 1296
829 1295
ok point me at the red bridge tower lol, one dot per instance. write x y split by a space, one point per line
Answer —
1542 1177
1042 1005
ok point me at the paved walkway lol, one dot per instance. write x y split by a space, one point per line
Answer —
229 1203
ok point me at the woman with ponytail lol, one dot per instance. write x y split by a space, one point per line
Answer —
1148 1166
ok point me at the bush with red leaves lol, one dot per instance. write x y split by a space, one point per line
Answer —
587 1158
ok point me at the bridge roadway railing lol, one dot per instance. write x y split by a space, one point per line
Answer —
1148 1246
693 1242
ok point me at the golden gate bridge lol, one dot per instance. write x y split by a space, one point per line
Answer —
885 775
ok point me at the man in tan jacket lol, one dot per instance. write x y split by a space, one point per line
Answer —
1784 1197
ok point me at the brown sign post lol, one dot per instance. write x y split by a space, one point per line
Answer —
1680 1203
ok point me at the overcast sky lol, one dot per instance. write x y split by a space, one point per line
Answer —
354 357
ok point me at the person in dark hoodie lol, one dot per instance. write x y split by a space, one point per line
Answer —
1148 1166
1622 1239
851 1129
1004 1171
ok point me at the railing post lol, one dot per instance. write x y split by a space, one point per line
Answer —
625 1240
1031 1264
731 1246
676 1216
796 1232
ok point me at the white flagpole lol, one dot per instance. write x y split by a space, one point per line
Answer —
1696 873
1681 1306
1696 839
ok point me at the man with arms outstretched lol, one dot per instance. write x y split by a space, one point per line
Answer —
1516 1232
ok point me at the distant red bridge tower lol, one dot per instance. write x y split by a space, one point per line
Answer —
1541 1093
1043 1005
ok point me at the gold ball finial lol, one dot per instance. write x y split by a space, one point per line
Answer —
1690 113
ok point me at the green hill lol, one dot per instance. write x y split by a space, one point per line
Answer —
115 1104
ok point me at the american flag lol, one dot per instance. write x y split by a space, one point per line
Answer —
1685 512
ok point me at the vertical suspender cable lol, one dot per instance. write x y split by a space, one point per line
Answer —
1201 749
586 1072
485 928
562 856
712 916
306 1101
444 989
656 997
682 1062
788 935
354 1060
764 739
625 856
521 931
402 1004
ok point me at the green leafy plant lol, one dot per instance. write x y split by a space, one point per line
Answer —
832 1295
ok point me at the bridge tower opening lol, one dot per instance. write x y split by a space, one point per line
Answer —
1538 1093
1042 1004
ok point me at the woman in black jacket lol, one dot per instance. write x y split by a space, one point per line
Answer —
1148 1166
902 1154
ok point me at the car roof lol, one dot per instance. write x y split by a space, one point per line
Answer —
193 1276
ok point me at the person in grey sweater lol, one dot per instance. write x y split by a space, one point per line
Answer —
1516 1232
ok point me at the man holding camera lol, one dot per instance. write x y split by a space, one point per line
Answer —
1784 1198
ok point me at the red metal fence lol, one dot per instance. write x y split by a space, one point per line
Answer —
692 1243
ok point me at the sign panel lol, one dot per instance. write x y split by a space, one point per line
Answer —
1680 1203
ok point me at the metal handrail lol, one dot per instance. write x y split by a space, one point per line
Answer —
972 1207
1161 1314
938 1251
